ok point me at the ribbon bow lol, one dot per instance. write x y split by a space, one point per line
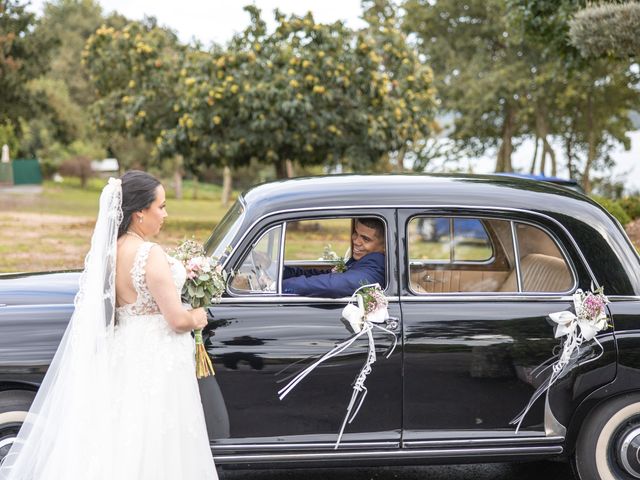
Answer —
362 324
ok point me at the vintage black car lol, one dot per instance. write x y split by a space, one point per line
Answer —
470 313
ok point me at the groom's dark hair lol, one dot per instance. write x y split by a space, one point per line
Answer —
138 192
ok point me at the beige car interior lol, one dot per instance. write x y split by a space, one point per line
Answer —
542 265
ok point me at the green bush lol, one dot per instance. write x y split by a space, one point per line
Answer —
631 205
614 208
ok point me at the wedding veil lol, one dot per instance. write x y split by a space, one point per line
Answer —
66 434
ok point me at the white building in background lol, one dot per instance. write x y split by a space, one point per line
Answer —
106 166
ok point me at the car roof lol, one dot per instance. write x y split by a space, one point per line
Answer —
393 190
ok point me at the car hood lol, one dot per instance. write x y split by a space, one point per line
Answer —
45 288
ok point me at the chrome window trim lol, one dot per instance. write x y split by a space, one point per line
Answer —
422 206
386 454
253 292
516 251
516 255
279 286
283 235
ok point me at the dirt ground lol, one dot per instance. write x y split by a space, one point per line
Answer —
40 242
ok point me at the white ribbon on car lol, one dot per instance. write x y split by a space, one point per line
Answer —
577 328
362 324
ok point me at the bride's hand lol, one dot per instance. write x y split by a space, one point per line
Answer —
199 316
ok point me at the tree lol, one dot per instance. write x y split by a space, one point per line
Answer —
607 30
308 93
589 100
135 71
23 57
479 69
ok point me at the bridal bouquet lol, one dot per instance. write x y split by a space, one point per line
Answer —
204 285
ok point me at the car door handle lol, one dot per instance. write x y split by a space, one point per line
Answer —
393 323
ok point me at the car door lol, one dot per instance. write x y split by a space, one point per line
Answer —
476 290
258 338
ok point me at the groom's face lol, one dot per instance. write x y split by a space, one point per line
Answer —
155 214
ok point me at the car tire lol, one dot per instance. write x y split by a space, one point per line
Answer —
14 405
608 446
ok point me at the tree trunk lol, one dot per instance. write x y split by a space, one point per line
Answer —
569 152
177 177
290 172
532 170
400 159
227 181
542 130
196 184
281 169
503 162
552 156
284 168
591 135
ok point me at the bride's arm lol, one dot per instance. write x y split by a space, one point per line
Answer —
163 291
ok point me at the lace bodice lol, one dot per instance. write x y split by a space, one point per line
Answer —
145 304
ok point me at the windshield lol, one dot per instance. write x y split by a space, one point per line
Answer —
220 240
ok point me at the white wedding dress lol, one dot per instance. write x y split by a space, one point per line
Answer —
157 412
120 400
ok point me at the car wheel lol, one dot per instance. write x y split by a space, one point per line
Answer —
608 446
14 405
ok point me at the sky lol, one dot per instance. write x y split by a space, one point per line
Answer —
218 20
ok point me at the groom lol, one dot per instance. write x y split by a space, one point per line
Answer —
366 265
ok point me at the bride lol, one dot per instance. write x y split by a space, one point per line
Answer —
120 400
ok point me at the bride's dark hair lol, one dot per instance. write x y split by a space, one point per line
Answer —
138 192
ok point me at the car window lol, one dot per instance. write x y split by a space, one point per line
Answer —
258 271
543 268
458 254
220 240
317 241
464 255
449 239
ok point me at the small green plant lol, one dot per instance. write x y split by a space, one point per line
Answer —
614 208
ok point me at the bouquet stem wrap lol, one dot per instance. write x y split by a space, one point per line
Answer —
204 367
204 285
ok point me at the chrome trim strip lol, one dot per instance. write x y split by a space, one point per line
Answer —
482 441
516 255
624 298
272 298
397 454
283 234
489 296
303 446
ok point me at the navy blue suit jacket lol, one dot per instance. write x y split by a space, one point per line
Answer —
315 283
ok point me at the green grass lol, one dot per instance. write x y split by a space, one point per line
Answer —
53 239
